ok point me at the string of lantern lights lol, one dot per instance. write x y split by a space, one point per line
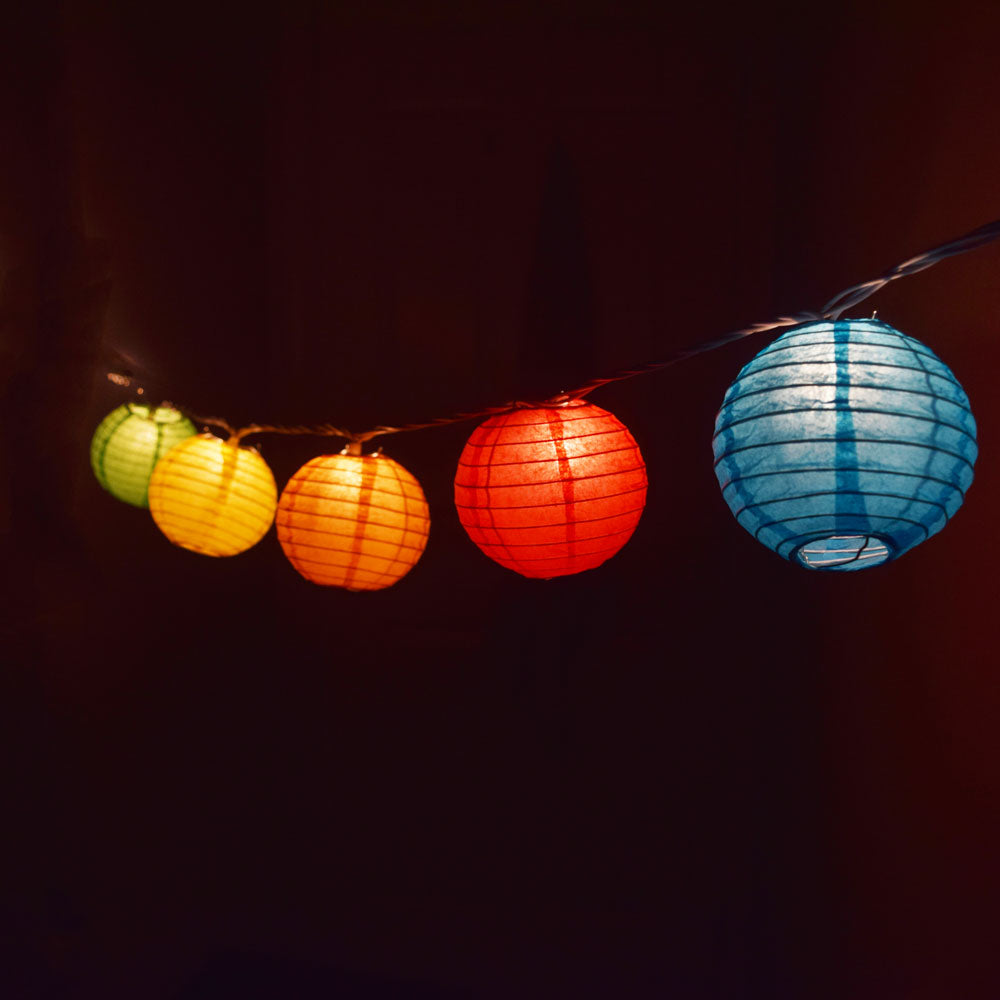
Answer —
840 446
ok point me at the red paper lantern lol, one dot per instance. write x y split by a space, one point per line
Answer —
551 490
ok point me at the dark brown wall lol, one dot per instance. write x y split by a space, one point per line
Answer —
697 772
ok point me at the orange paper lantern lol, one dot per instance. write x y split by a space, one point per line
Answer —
353 521
551 490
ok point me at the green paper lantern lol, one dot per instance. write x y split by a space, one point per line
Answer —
129 442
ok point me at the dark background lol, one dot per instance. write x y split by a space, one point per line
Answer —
697 772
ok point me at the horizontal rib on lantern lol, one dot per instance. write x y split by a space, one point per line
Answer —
551 491
212 496
355 521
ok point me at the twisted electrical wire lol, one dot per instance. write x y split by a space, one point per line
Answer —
839 304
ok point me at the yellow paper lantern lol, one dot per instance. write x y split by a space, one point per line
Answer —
353 521
212 496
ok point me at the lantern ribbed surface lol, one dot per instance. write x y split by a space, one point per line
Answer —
354 521
551 491
844 444
129 442
212 496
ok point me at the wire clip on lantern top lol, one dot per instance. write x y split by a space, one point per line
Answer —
833 310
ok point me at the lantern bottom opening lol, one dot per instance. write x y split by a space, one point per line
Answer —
844 552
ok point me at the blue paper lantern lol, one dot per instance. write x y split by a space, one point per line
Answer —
844 444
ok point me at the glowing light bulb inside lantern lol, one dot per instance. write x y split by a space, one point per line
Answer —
844 444
129 442
551 490
354 521
213 496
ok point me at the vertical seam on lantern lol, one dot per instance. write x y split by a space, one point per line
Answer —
780 531
846 448
104 447
364 499
567 483
217 501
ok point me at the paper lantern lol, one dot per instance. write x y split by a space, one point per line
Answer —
129 442
212 496
353 521
552 490
844 444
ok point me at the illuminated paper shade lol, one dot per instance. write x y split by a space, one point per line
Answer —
353 521
551 491
129 442
844 444
212 496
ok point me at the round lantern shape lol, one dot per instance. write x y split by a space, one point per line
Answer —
212 496
353 521
844 444
552 490
129 442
